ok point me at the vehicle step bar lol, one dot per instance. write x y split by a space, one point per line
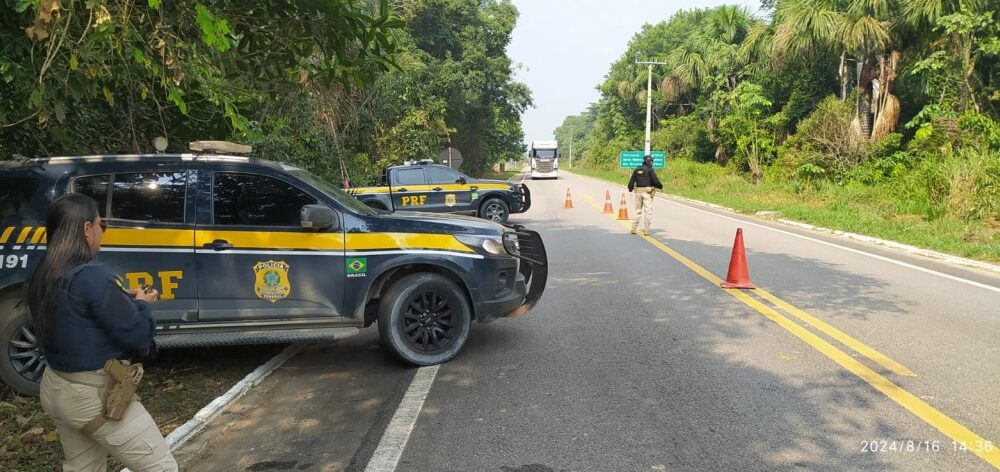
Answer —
262 336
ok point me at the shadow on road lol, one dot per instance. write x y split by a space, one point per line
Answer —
630 362
633 362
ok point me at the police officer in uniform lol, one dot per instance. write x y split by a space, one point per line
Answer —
645 184
83 316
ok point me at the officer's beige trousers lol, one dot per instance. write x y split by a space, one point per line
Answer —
643 208
134 440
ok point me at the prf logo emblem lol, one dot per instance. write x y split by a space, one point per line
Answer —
271 282
357 267
449 200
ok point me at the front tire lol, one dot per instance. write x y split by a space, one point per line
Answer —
21 358
495 209
424 319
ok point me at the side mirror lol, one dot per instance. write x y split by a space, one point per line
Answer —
461 180
318 217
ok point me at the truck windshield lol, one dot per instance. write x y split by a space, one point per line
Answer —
545 153
339 195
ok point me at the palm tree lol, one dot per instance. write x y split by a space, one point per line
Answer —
860 31
865 32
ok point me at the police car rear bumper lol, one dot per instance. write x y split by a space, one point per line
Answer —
529 284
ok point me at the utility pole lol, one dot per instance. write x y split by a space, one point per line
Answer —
649 98
572 130
571 151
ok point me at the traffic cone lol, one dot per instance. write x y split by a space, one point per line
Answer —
623 209
739 274
608 209
569 200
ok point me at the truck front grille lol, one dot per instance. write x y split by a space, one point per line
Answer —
544 166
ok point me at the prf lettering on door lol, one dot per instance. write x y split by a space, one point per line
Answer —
414 200
168 281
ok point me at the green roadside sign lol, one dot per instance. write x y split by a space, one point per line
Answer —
633 159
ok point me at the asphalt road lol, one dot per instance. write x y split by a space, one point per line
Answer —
847 357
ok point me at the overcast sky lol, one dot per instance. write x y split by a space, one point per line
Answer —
565 47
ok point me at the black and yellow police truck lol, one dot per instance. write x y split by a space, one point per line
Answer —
423 186
247 251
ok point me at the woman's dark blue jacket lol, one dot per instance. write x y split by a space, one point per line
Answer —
96 320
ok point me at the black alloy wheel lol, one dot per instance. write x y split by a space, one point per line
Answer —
495 210
22 361
25 355
424 318
427 321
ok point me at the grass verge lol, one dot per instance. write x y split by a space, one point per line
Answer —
863 209
505 175
178 384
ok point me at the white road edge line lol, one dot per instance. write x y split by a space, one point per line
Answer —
397 434
188 430
944 257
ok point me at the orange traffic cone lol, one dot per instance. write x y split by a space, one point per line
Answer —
608 209
623 209
569 200
739 275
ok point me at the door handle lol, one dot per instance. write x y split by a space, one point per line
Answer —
438 189
401 189
218 245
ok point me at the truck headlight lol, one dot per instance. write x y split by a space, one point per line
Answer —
485 244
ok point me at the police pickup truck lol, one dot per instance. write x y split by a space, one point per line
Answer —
422 186
247 251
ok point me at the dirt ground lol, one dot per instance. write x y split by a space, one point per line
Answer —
176 385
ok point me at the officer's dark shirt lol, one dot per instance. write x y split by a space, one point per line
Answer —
643 176
96 320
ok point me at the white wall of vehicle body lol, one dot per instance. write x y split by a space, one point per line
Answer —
544 144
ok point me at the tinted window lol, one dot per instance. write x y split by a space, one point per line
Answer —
149 196
338 194
246 199
440 175
16 191
96 187
408 177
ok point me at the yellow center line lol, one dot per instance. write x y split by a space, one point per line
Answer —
847 340
859 347
986 450
915 405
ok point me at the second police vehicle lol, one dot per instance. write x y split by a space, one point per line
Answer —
424 186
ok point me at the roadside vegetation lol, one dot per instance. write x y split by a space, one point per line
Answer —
343 87
866 116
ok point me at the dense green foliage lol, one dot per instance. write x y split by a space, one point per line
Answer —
341 86
819 95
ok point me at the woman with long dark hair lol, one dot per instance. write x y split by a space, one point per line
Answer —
84 317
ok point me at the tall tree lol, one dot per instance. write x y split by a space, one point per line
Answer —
869 33
107 75
466 43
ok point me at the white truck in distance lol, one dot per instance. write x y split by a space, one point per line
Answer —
544 157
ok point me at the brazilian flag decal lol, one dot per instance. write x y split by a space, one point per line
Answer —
357 266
